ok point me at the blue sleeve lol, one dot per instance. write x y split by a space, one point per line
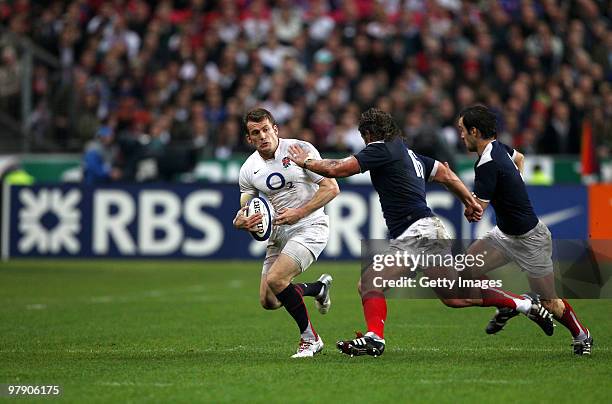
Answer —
485 181
94 163
373 156
428 164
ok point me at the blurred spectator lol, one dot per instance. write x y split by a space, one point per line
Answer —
287 22
100 157
276 104
320 22
229 140
346 136
256 23
10 79
539 177
556 138
272 53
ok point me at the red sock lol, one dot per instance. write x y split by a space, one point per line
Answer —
375 312
499 298
570 321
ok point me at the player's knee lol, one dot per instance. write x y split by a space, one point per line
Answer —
276 284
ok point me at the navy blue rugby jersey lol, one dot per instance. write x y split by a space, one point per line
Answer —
398 175
499 182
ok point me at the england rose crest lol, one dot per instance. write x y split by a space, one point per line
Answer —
286 162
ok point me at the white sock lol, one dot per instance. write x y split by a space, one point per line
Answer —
522 305
374 336
582 336
320 295
309 334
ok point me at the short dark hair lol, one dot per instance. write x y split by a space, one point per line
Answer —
481 118
257 115
378 124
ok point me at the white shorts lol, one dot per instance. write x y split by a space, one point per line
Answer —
425 236
531 251
304 243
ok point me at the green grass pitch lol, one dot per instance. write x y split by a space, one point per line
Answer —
168 331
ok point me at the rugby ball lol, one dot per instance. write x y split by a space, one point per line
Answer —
264 229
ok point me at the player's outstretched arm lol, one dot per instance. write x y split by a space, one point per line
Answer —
328 190
445 176
330 168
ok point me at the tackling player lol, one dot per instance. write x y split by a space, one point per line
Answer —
301 227
519 235
399 175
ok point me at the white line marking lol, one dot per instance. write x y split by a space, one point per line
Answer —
36 306
475 381
132 384
241 348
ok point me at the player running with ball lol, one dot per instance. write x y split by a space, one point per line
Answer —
519 235
399 175
301 227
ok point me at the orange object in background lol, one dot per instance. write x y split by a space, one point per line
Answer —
600 212
600 221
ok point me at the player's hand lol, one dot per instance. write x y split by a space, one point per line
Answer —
246 222
289 216
473 212
298 155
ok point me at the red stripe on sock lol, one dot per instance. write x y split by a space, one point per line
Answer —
570 320
375 312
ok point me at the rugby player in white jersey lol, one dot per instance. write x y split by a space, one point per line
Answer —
301 227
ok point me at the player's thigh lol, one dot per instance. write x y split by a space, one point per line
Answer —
533 252
492 257
444 276
306 243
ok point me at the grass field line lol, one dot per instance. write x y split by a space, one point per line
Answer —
133 384
123 298
485 348
446 380
158 297
242 348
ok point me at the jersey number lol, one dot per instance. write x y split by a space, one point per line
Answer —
418 167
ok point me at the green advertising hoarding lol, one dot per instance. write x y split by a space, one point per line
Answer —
67 167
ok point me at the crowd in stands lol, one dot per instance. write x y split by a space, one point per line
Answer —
177 76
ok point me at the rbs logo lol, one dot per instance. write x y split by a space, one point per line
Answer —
73 220
159 214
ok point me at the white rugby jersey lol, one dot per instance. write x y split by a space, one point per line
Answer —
280 180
